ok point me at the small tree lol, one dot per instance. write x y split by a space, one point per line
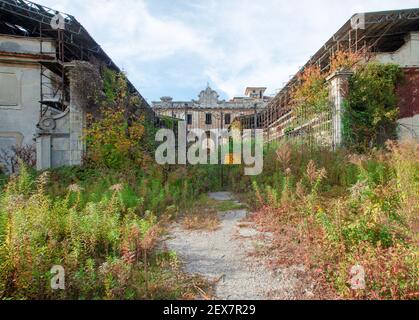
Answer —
311 95
115 134
111 142
347 60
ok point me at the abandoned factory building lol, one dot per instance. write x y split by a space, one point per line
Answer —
209 112
39 104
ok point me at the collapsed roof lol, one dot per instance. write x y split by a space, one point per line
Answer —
25 18
383 31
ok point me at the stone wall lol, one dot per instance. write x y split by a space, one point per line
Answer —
209 104
199 116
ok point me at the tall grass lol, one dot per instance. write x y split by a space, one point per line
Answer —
352 209
102 227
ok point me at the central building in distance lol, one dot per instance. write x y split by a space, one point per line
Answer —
208 112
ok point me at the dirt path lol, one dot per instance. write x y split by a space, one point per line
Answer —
228 254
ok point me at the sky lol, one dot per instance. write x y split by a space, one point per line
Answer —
175 47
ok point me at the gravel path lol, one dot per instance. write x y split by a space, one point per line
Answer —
226 255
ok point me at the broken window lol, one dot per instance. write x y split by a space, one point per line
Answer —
208 119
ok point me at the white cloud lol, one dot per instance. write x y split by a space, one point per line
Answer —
128 29
234 43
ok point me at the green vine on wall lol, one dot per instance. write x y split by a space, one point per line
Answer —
371 107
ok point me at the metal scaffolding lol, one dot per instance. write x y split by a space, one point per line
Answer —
73 43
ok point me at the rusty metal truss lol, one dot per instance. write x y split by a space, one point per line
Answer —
74 43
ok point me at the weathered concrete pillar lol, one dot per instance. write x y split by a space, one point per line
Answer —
76 136
43 152
339 89
77 125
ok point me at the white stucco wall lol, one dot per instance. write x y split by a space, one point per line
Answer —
19 103
20 89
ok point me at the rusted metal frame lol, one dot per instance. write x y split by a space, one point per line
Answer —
353 45
392 16
32 13
41 14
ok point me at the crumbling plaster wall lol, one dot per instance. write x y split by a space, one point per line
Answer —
20 89
407 56
19 44
19 104
60 140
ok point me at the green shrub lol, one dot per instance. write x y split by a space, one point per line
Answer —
371 110
357 209
102 233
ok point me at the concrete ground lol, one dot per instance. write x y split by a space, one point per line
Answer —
228 256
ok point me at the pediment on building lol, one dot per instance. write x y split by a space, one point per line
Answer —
208 98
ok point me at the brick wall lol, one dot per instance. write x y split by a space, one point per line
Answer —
408 93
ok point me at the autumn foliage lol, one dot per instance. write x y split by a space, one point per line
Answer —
111 141
311 95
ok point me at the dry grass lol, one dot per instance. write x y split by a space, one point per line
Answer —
209 222
370 221
290 248
204 214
